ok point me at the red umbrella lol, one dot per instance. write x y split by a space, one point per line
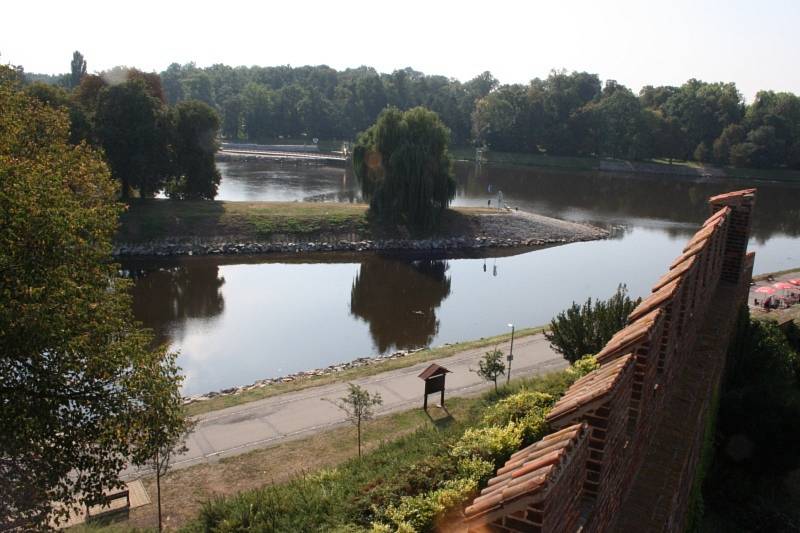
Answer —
765 290
795 281
783 285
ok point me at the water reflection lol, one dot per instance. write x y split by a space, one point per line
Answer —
398 299
671 203
165 295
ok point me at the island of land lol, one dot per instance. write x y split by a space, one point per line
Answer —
171 228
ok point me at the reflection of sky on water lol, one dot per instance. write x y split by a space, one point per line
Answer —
235 324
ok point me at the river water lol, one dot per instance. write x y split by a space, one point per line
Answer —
237 320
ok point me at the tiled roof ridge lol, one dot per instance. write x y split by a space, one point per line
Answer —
678 270
532 476
637 330
744 193
723 212
590 388
656 299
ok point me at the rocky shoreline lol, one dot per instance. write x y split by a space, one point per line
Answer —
502 230
325 371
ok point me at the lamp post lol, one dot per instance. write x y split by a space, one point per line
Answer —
510 354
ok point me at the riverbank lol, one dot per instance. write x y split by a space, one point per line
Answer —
357 369
392 444
656 167
173 228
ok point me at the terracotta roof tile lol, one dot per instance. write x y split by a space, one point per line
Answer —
530 472
704 233
590 388
717 215
656 299
734 195
678 271
631 334
694 250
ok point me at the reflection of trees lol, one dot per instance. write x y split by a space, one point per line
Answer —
605 197
398 298
164 297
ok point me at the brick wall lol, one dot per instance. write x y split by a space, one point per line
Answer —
633 428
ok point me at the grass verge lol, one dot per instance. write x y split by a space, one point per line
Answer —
319 480
157 219
221 402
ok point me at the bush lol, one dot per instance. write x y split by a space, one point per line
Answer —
516 407
585 329
421 512
475 468
583 366
493 444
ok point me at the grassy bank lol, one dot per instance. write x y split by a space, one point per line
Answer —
153 219
221 402
319 480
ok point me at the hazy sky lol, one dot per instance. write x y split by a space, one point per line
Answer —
753 43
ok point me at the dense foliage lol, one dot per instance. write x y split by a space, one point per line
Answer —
149 146
565 113
584 329
74 387
416 483
404 168
753 483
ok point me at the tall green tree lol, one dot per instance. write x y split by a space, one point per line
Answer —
77 69
71 357
404 167
196 126
133 128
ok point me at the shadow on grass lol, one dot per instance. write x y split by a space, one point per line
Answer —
441 417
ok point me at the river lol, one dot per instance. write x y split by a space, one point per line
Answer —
237 320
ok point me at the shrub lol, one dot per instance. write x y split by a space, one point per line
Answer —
421 512
586 328
583 366
516 407
493 444
475 468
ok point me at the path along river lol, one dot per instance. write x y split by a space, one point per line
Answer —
238 320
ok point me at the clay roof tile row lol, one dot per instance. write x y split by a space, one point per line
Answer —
633 333
694 250
529 472
593 386
735 197
677 272
724 212
656 299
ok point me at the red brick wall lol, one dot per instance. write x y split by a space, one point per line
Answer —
674 361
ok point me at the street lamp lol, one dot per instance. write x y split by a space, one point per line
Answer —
510 354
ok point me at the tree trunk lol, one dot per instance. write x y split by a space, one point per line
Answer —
495 385
158 490
359 439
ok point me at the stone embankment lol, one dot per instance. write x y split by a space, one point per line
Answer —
326 371
505 229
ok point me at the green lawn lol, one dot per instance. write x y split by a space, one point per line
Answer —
157 219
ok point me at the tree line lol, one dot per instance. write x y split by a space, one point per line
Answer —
569 114
149 145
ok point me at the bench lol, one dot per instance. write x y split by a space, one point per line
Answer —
106 501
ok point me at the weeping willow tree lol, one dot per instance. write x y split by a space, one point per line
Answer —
404 168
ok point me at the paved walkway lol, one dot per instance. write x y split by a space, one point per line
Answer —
270 421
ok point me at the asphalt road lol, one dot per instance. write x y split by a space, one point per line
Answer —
273 420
